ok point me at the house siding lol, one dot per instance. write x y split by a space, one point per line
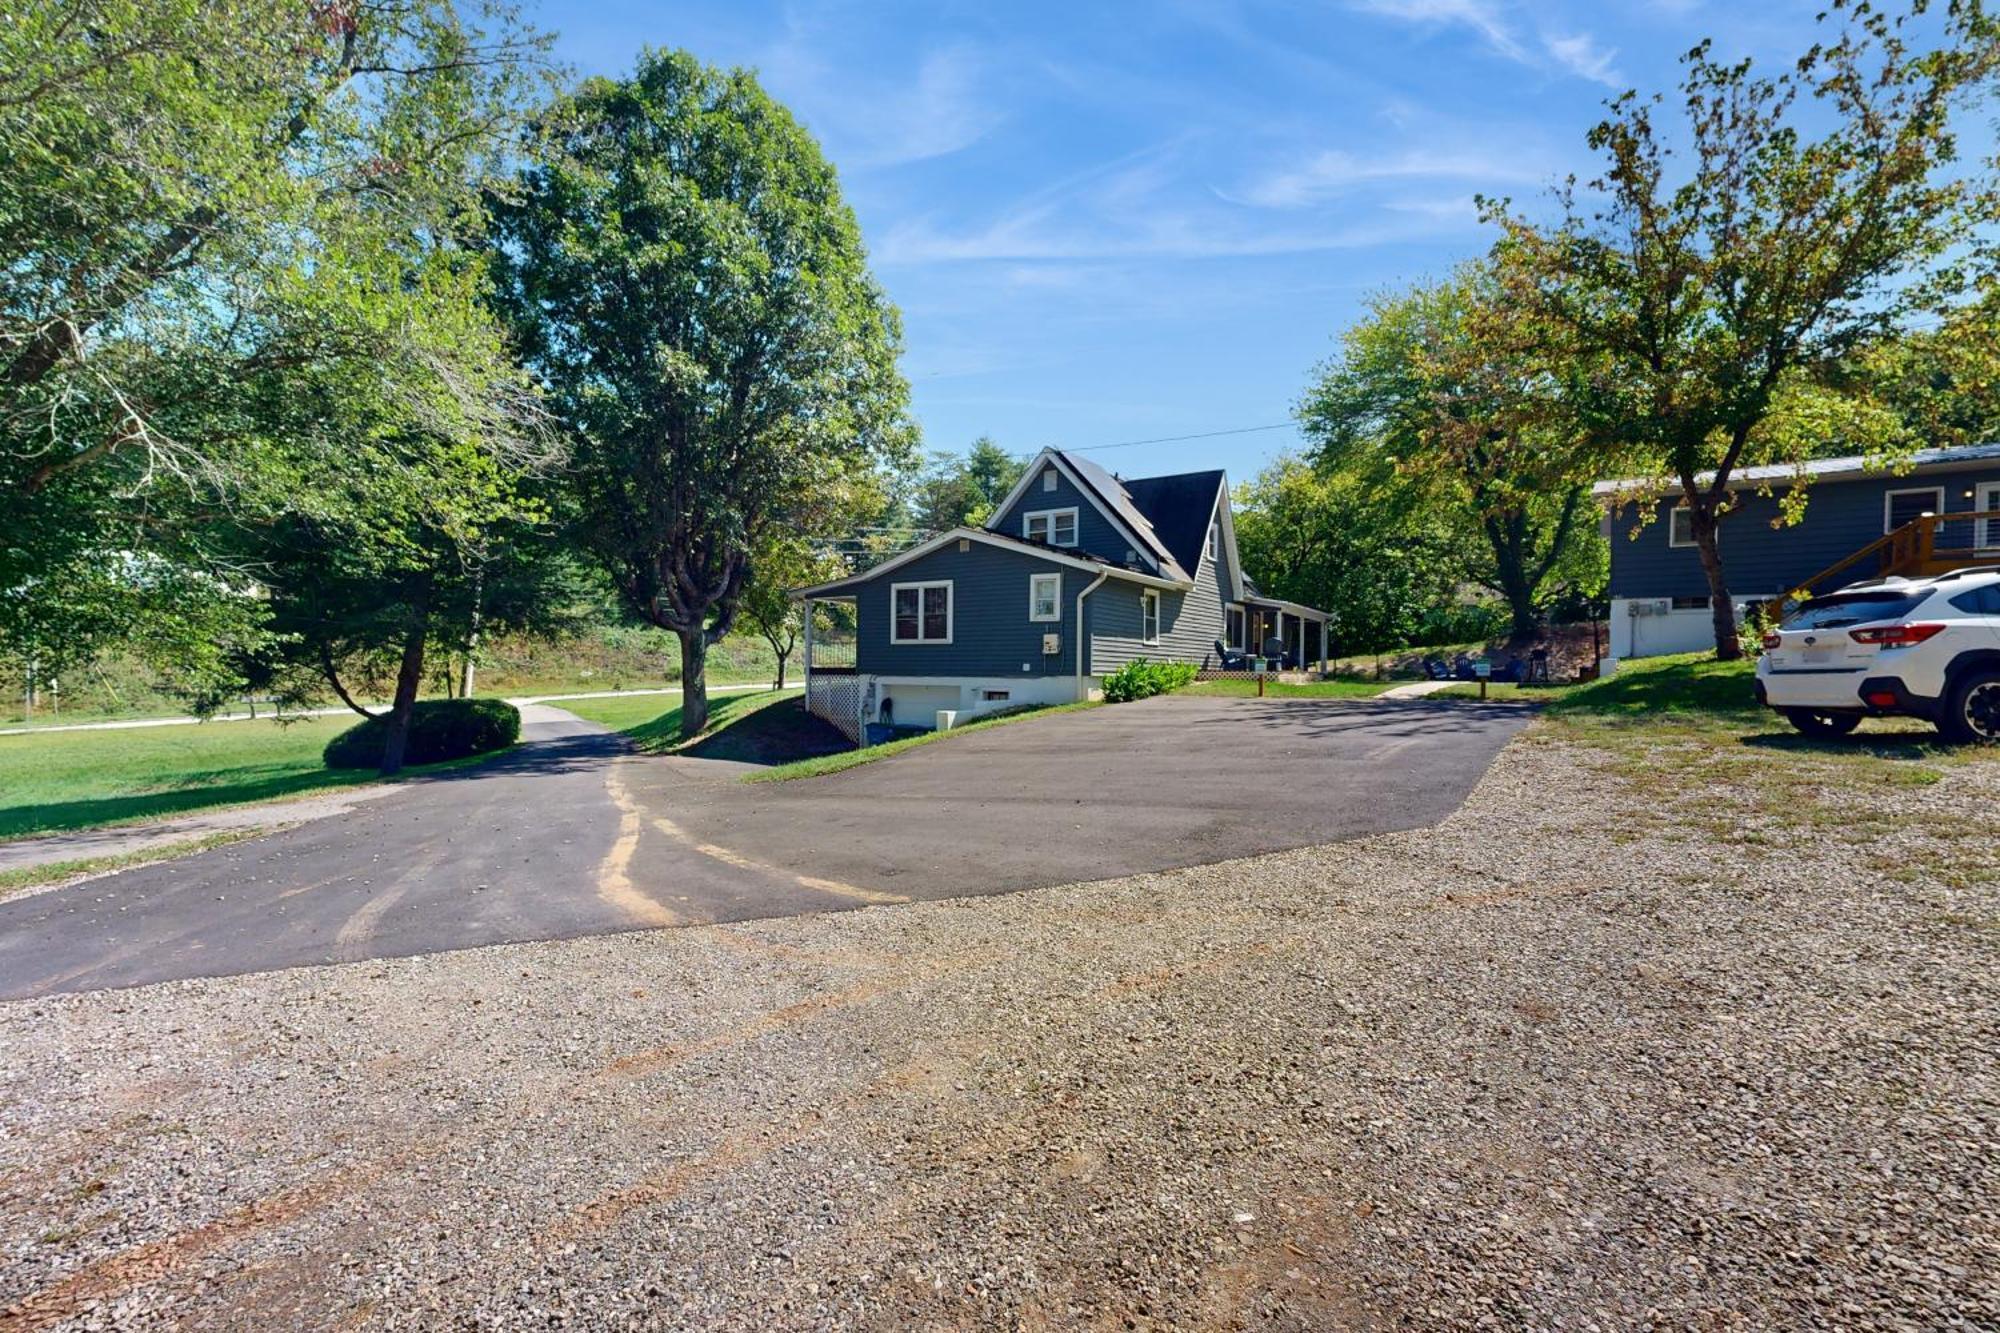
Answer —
1841 517
1190 622
991 632
1095 533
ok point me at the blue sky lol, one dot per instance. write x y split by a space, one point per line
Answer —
1106 222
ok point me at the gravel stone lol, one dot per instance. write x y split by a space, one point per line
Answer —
1568 1061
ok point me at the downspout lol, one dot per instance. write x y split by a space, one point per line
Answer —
1079 630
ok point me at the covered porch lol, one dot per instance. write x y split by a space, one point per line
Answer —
1280 631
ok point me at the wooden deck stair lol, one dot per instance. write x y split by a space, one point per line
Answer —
1914 551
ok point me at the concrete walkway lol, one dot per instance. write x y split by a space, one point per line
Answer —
1418 689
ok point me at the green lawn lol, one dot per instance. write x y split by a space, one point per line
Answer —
1319 689
81 779
753 726
1687 728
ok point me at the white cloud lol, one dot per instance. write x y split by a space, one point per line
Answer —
1039 236
1482 16
1575 53
1582 56
1334 171
941 109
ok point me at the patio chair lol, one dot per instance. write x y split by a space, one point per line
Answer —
1231 661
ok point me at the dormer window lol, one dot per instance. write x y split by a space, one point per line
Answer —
1057 527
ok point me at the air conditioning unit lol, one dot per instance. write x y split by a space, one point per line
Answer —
1652 606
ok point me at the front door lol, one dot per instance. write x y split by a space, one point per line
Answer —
1989 528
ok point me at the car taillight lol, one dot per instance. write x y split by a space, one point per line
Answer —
1895 636
1774 640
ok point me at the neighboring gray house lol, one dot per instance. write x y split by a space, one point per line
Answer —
1941 514
1077 573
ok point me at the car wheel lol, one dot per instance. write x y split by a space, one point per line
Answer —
1972 712
1822 724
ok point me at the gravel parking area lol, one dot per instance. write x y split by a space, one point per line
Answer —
1578 1057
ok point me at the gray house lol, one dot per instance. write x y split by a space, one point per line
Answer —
1860 523
1077 573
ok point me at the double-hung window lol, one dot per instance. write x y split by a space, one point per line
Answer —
921 612
1232 634
1680 526
1045 597
1057 527
1149 616
1215 541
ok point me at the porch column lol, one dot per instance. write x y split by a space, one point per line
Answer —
809 648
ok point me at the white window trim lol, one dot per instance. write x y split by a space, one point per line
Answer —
1056 579
1889 503
1146 595
1986 495
1075 525
1242 625
950 611
1672 542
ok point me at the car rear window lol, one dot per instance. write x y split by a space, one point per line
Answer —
1853 608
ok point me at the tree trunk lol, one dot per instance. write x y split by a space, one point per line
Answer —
781 656
1722 609
409 676
1517 585
694 683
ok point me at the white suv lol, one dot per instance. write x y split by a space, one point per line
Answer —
1927 648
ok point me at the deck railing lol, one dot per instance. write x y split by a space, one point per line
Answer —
1915 550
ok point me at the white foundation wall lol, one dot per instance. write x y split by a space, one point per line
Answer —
1649 627
917 699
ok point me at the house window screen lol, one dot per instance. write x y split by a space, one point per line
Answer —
1044 597
1057 527
1149 616
922 613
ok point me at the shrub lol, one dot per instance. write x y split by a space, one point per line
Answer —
440 729
1140 679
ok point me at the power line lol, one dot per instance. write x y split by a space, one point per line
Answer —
1175 439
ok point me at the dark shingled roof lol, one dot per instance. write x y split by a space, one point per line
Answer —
1179 508
1112 492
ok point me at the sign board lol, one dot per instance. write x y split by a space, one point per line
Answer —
1483 669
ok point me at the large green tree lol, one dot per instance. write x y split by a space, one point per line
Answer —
687 280
1321 536
964 488
226 247
1434 405
1723 275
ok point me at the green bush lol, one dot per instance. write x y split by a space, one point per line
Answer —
1140 679
440 729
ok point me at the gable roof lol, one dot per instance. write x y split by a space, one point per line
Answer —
1068 557
1109 496
1180 509
1114 495
1828 469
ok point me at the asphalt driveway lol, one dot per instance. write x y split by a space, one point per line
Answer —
570 835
